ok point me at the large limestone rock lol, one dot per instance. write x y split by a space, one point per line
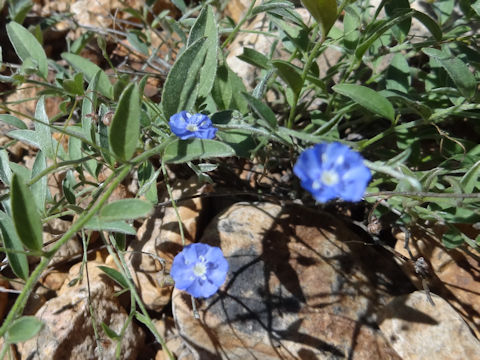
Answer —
301 285
417 330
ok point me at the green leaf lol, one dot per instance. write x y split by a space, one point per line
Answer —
74 86
205 26
398 74
17 261
109 332
28 136
115 275
125 126
25 215
5 171
27 47
430 24
89 105
68 185
324 12
367 98
289 73
180 151
255 58
42 129
23 329
180 90
89 70
401 30
471 178
98 224
147 181
457 70
125 209
262 110
12 120
226 84
39 188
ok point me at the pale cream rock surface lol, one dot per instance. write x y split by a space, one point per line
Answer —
419 331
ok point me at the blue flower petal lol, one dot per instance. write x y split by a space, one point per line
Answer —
186 126
200 269
330 171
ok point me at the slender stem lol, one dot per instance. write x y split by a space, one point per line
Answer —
311 57
174 204
23 297
239 25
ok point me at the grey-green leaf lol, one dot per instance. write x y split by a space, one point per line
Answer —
5 171
89 69
27 47
125 126
457 70
125 209
42 129
25 215
180 151
180 90
12 120
99 224
367 98
23 329
39 188
205 26
17 260
290 74
115 275
471 178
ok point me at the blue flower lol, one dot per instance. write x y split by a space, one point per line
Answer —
199 269
186 126
330 171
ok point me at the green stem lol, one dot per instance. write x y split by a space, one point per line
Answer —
311 58
23 297
239 25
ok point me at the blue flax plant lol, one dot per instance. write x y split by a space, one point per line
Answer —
407 102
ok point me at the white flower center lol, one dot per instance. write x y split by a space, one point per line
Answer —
329 177
192 127
200 269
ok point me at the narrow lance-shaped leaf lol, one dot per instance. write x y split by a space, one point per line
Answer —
5 172
115 275
180 151
125 126
457 70
180 90
17 260
125 209
368 98
89 70
324 12
39 188
205 26
42 129
25 215
27 47
23 329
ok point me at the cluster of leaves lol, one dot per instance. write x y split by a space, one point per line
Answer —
408 102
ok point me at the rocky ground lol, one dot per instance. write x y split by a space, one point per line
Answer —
303 283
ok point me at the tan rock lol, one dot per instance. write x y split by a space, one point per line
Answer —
417 330
453 273
301 285
68 332
158 240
